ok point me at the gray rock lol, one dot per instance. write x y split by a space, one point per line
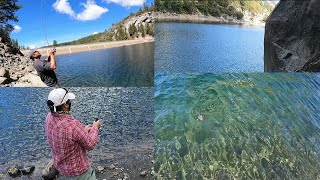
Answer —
153 173
292 37
29 69
13 171
143 173
7 48
100 169
112 166
50 172
27 170
3 80
14 77
4 73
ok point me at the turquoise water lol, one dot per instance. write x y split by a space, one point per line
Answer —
237 126
213 48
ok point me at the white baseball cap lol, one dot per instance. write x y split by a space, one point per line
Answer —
59 96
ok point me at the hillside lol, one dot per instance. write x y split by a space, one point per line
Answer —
240 11
137 25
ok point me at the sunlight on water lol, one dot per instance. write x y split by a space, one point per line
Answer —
237 126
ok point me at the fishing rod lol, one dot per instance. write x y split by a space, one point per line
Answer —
44 29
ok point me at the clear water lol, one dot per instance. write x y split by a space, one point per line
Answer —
127 121
129 66
237 126
187 47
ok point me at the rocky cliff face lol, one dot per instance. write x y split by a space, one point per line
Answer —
292 37
16 70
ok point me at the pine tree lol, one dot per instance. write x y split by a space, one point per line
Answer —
7 10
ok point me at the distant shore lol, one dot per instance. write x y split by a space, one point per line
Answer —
90 47
198 18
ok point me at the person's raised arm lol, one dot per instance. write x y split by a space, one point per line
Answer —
53 63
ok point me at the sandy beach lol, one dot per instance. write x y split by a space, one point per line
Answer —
90 47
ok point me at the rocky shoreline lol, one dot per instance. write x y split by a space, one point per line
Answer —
16 70
134 161
199 18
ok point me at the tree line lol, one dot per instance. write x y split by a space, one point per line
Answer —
119 32
214 8
7 13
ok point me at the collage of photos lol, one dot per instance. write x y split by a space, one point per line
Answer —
159 89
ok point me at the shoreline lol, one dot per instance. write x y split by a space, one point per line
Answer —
71 49
125 163
203 19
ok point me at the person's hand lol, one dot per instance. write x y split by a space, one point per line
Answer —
96 124
52 52
88 128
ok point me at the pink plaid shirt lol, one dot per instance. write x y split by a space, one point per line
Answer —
69 141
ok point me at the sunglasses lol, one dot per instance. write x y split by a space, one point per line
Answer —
64 94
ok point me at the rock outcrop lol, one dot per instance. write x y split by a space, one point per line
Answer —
16 70
292 37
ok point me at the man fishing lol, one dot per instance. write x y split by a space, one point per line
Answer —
45 69
69 139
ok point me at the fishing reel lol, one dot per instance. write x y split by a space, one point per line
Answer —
54 51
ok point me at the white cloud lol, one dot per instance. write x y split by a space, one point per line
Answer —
127 3
16 28
63 6
91 12
95 33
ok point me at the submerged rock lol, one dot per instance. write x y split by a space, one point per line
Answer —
292 37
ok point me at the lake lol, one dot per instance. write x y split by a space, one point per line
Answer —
127 123
187 47
237 126
128 66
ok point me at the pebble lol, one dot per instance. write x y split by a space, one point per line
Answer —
100 169
153 173
28 170
143 173
112 166
200 117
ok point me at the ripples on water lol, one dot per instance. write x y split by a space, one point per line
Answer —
187 47
126 113
129 66
255 126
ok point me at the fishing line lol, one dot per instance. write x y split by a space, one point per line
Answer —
43 24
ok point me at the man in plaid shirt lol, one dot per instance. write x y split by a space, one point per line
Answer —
69 139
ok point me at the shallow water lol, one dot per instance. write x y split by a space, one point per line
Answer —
237 126
127 116
187 47
129 66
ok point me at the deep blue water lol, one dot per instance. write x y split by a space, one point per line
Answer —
187 47
126 113
129 66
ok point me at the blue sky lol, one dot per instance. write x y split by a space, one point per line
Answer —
66 20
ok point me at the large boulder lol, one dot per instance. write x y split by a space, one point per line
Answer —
292 37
